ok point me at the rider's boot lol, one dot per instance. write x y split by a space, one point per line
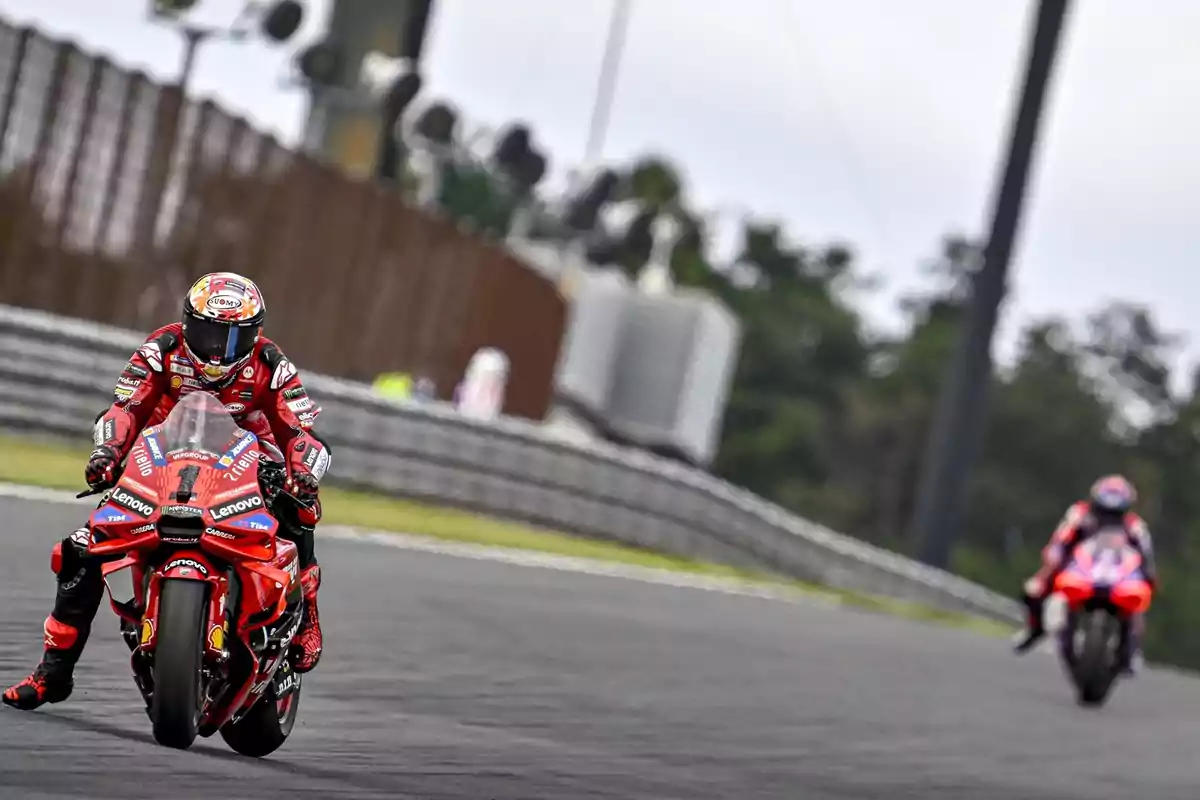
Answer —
80 589
307 645
1135 661
52 680
1034 629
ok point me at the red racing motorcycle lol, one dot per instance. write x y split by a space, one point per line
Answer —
209 599
1103 586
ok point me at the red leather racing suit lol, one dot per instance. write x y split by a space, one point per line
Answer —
266 397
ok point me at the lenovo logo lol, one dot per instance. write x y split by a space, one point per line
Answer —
235 507
131 502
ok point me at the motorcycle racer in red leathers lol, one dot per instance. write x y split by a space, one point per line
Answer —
219 348
1109 503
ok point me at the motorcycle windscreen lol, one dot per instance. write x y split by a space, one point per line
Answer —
1111 565
199 423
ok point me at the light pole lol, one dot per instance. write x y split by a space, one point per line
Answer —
606 82
959 425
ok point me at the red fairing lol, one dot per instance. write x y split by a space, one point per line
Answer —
1133 596
234 531
1121 571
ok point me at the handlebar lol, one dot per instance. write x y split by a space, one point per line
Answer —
307 506
272 476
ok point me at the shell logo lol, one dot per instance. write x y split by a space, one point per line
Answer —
216 637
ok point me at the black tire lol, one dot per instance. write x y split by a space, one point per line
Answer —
1096 668
178 659
263 730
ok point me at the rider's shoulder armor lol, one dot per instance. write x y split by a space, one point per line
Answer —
1076 515
279 366
158 347
270 353
1136 524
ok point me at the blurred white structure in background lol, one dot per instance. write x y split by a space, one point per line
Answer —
644 362
481 393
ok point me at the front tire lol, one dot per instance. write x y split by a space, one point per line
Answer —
1097 663
266 727
178 660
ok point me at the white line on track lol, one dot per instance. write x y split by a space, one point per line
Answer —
513 556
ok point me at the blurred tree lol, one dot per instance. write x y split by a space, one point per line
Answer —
653 186
1036 462
473 197
803 352
1132 354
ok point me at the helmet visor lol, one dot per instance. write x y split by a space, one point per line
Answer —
1111 499
218 342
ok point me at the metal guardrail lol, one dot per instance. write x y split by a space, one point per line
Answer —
57 373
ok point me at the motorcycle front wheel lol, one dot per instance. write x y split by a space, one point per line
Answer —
178 659
1096 661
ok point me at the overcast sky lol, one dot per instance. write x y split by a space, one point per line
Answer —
875 122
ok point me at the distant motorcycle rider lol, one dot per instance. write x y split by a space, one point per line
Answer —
218 347
1109 504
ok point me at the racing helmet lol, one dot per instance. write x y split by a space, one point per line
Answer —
1112 494
222 320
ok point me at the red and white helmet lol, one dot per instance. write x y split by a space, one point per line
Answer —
222 320
1113 493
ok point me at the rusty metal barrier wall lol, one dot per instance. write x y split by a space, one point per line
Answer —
116 193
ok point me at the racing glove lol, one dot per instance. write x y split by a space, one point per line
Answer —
308 461
303 485
101 467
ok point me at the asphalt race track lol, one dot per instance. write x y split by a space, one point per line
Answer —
453 678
